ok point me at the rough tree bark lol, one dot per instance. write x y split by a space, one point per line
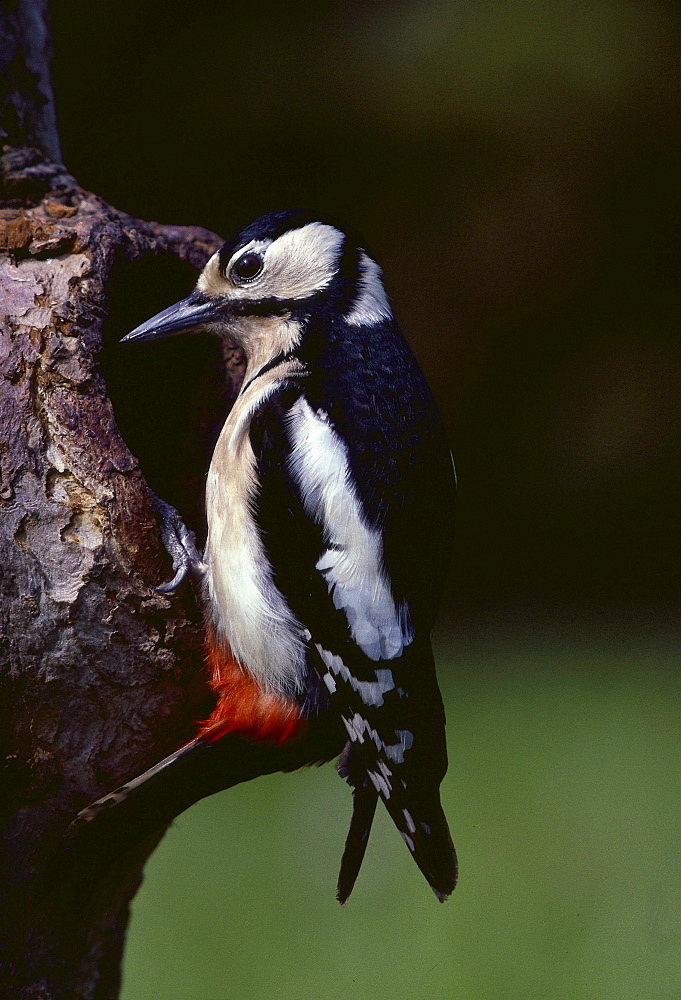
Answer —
96 668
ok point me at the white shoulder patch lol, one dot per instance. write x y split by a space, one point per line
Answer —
352 563
371 305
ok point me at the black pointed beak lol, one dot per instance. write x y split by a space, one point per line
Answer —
194 311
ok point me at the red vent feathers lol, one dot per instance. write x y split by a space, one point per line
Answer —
243 706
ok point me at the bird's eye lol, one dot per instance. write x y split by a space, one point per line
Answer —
247 267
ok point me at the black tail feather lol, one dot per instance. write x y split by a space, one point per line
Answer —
413 803
424 829
363 809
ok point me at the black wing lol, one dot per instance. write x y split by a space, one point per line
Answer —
391 706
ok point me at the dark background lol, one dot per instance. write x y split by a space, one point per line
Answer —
513 166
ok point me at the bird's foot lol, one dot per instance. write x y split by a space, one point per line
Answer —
180 544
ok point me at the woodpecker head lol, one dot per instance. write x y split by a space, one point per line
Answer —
261 287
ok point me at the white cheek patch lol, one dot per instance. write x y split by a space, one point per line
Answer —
371 305
352 565
301 262
298 264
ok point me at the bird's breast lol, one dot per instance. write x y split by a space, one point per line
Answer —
247 611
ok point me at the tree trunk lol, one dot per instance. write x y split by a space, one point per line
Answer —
100 676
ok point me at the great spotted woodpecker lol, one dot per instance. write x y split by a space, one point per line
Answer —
329 500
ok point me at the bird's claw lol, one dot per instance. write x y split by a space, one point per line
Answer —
167 588
180 544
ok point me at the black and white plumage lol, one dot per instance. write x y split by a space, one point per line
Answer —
329 504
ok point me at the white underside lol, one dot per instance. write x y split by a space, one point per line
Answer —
248 611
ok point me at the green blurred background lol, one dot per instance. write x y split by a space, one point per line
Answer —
514 166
